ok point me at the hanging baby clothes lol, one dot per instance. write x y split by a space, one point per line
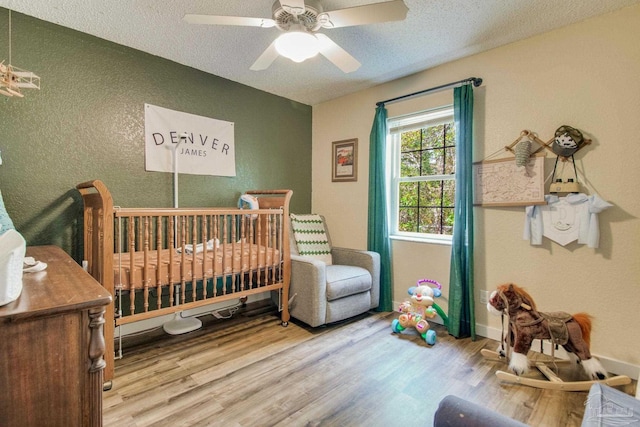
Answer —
565 219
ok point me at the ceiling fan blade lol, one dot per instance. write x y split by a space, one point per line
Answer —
229 20
266 59
334 53
294 7
373 13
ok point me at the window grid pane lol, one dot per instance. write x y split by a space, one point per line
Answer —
427 206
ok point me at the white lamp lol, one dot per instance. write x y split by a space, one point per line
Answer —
297 45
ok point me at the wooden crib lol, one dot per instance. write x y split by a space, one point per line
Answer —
159 261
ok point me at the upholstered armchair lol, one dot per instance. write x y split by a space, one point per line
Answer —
329 284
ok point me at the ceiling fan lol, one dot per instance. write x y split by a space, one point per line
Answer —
300 21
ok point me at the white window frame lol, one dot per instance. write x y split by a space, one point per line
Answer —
395 126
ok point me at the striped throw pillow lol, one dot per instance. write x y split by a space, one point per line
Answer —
310 237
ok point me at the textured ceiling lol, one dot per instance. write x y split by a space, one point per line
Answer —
435 32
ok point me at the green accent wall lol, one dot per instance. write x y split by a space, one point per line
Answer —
87 122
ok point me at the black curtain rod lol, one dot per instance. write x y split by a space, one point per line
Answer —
477 81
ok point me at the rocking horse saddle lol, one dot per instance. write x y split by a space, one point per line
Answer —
557 323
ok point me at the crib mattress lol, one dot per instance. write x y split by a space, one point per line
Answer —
162 270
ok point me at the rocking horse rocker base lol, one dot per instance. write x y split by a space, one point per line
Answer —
526 324
553 382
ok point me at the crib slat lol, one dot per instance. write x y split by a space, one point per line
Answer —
194 258
172 246
88 241
159 261
261 278
145 269
272 242
183 239
213 233
132 249
243 245
251 239
224 258
118 252
284 248
101 239
205 254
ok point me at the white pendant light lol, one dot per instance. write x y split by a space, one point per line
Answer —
297 45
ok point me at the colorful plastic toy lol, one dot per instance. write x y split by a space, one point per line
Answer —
419 308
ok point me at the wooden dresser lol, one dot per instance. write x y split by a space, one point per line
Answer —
51 346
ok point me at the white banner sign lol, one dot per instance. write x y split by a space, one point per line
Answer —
207 147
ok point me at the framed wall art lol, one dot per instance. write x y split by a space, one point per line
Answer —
344 160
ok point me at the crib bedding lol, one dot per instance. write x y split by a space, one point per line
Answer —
167 266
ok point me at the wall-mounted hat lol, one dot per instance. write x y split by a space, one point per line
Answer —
567 141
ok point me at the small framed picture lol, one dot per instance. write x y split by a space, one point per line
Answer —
345 160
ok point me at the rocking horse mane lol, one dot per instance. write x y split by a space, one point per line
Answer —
520 291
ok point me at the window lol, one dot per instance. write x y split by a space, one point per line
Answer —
423 175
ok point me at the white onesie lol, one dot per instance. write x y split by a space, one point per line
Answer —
565 219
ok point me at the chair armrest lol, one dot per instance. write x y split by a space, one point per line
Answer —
309 272
356 258
308 290
359 258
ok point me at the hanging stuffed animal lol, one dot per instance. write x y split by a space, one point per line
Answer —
523 152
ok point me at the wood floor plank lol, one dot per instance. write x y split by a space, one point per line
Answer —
251 371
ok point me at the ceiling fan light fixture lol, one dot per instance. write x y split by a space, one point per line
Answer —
297 45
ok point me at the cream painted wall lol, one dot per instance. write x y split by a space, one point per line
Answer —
585 75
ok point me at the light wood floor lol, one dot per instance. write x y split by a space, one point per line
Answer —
251 371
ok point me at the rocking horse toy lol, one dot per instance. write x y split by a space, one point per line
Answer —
526 323
419 308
